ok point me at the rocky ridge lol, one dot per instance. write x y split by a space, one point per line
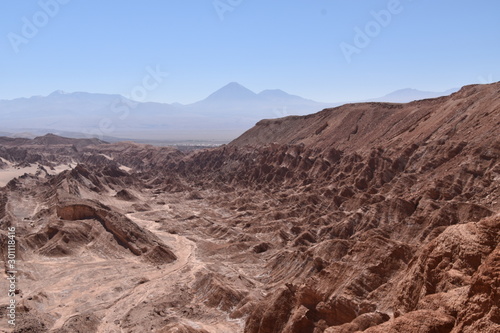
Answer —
375 217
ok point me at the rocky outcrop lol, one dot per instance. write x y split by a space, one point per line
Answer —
125 195
373 217
213 292
46 150
399 193
416 321
86 322
126 233
447 264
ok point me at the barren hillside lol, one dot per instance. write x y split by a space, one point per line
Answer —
370 217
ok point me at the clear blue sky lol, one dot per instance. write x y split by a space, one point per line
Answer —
295 45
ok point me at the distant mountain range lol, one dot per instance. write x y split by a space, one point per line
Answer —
408 95
221 116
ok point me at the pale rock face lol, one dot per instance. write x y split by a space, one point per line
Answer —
372 217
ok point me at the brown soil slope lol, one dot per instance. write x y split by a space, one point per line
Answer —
470 114
369 217
386 201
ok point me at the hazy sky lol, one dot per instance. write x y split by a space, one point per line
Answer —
327 50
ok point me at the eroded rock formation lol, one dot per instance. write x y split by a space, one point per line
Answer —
373 217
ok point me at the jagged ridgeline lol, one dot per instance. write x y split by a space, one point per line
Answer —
373 217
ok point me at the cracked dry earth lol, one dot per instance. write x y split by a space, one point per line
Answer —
373 217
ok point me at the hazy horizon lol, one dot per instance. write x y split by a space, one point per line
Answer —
365 98
179 52
222 116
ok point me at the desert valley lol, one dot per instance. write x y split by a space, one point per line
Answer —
367 217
